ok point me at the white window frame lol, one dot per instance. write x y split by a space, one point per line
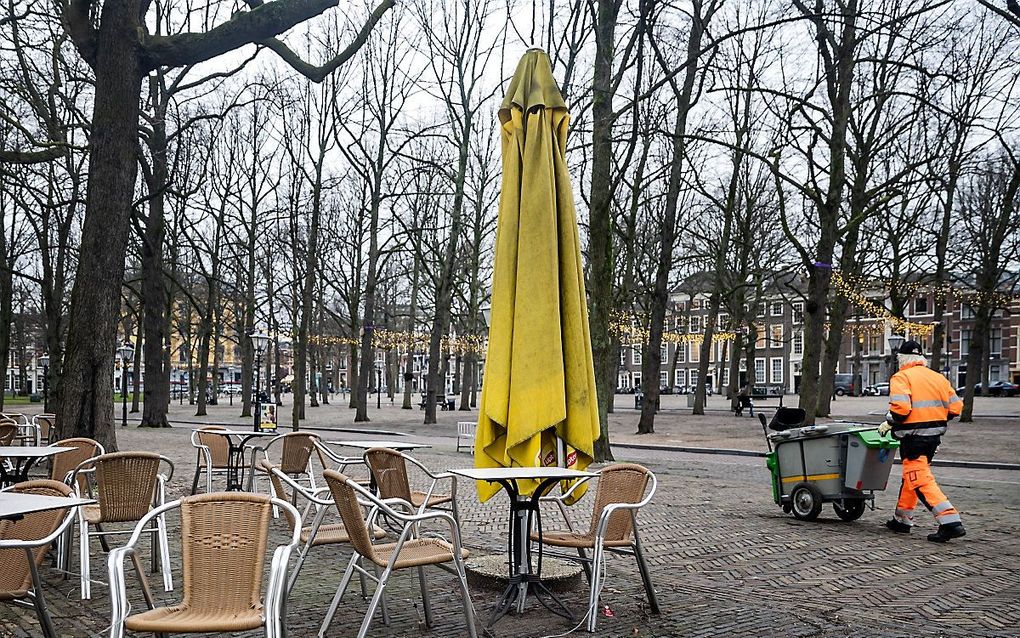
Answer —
774 306
760 369
773 377
681 356
663 353
798 311
635 355
680 377
798 342
773 331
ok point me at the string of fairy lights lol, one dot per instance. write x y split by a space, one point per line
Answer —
630 332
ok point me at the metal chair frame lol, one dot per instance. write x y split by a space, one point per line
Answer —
36 600
204 454
435 478
158 534
595 566
275 602
409 531
309 473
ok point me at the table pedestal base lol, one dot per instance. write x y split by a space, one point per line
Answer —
516 594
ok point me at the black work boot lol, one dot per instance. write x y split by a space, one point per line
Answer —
946 532
898 526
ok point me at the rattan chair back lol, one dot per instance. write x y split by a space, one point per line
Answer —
219 448
125 482
619 483
223 548
346 500
390 472
297 450
8 430
15 572
63 464
47 426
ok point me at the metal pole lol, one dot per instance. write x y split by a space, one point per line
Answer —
258 380
123 393
46 388
378 390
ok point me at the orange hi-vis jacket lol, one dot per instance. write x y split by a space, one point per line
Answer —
921 401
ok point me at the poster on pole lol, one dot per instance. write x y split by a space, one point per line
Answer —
267 418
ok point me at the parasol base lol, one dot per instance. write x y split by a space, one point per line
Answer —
490 572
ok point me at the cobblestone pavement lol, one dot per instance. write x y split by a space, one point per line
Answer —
724 559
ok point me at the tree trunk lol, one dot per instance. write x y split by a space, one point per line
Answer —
600 219
136 366
86 398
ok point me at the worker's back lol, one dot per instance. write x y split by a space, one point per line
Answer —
925 396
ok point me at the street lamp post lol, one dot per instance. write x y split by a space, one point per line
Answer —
126 351
378 385
44 361
259 342
895 342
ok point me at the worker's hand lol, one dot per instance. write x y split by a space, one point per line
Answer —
885 428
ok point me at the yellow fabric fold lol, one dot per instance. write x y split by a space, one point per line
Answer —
539 375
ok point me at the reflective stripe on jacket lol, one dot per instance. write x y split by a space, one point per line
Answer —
921 401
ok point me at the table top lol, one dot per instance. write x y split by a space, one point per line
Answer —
14 504
392 444
519 473
32 451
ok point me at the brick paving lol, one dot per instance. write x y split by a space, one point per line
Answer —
724 559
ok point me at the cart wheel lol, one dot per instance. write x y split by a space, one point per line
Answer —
806 500
853 510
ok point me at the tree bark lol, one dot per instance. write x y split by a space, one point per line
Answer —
86 395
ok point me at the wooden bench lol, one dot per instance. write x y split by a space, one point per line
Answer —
466 433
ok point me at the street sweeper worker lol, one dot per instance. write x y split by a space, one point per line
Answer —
921 404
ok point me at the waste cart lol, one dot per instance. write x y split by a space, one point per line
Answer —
839 463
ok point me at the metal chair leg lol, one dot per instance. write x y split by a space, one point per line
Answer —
83 559
596 582
469 609
164 554
585 564
194 481
425 597
38 600
335 603
646 578
376 599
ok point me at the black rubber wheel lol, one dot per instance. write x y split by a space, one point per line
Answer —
840 392
853 510
787 508
806 500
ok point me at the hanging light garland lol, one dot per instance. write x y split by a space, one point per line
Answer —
879 311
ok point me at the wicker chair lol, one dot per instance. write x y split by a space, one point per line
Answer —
223 548
623 489
389 468
316 534
62 466
213 455
409 551
28 432
23 545
8 431
46 424
295 457
127 485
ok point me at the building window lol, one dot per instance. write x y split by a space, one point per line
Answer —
723 320
966 312
798 312
964 343
995 343
663 379
680 378
681 353
695 355
875 345
623 356
777 336
635 355
921 306
798 342
777 370
695 304
726 376
695 325
777 309
681 324
759 370
694 378
663 355
993 373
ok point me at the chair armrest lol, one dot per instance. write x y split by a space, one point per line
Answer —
310 495
563 497
14 543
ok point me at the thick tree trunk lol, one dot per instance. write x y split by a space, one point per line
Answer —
86 393
136 366
600 220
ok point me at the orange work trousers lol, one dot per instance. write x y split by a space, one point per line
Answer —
919 485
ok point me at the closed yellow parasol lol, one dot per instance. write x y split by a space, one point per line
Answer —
539 385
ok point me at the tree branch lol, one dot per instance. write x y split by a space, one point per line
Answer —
263 23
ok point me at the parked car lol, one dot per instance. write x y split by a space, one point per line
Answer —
846 384
877 390
995 389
